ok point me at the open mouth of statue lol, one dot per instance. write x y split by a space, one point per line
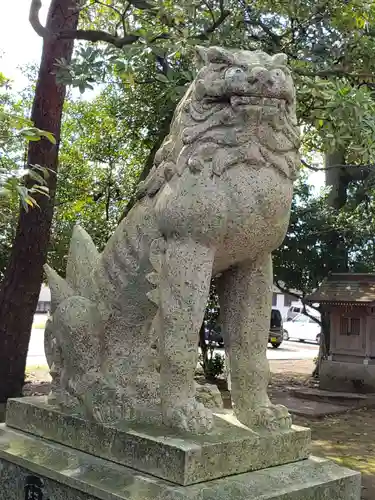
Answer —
259 101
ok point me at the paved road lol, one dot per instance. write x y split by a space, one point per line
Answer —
35 355
293 350
287 350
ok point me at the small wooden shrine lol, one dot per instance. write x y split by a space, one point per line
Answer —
349 301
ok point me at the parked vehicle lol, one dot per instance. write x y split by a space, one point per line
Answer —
215 337
276 335
293 311
302 328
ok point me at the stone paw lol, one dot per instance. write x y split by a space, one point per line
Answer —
270 417
65 400
191 416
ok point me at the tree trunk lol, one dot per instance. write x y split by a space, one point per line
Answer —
337 179
20 288
325 340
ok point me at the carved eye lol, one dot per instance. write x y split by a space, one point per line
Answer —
234 73
278 74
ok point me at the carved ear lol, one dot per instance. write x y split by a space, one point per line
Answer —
201 56
206 55
279 60
219 55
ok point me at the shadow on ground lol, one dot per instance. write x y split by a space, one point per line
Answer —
347 439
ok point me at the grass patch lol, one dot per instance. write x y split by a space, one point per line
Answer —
348 440
40 325
33 368
37 373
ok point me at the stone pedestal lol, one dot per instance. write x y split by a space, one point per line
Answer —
181 458
51 471
46 454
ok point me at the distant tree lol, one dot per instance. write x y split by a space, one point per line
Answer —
16 131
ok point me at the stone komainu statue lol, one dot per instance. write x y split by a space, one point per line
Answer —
122 339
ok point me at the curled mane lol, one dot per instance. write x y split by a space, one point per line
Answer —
209 127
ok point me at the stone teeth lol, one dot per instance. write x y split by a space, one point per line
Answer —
271 101
255 100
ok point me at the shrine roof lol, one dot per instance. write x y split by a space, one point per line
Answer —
345 287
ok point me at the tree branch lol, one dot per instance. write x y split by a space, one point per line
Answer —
35 7
89 35
224 14
104 36
99 36
108 7
287 291
302 299
253 18
206 3
364 168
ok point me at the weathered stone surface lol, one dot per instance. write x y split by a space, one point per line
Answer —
123 336
209 396
176 456
347 377
72 475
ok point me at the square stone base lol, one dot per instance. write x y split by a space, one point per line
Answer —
33 468
231 448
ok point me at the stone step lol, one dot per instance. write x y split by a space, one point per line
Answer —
338 398
308 407
32 467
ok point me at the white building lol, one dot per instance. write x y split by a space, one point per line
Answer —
282 301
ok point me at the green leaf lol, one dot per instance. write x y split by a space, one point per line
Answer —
40 189
36 177
158 51
4 192
32 138
161 78
48 135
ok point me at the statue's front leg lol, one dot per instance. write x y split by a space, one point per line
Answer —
245 307
184 284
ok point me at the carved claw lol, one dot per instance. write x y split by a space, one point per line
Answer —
270 417
153 296
157 248
189 417
153 278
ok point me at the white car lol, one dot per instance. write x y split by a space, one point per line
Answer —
297 309
302 328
